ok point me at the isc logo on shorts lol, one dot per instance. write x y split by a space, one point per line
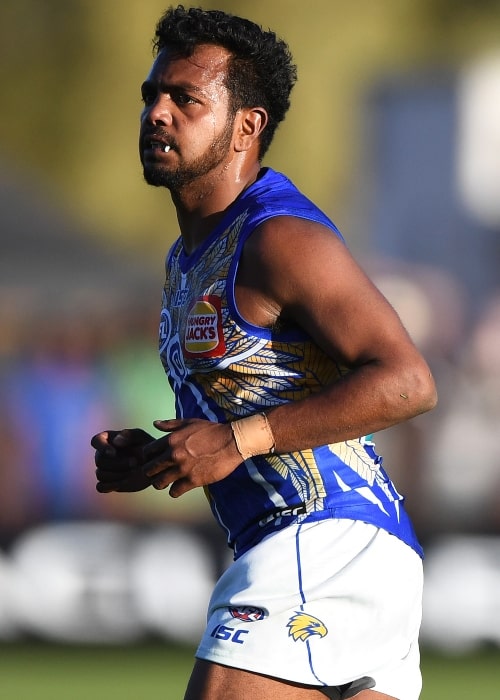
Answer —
229 634
204 336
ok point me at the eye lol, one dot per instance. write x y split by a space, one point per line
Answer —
147 99
148 95
184 99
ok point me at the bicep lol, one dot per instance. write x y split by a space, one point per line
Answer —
317 284
343 311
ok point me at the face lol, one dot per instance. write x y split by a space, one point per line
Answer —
186 124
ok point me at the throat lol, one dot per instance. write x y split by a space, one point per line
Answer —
195 230
201 206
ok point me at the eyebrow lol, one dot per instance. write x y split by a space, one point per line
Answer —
166 87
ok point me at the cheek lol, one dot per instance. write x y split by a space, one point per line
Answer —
212 121
202 134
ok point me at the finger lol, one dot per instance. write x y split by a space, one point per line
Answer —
156 448
117 486
164 478
107 483
168 425
104 488
157 466
130 437
136 481
109 476
180 487
102 441
115 463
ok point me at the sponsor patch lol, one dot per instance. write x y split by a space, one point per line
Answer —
204 336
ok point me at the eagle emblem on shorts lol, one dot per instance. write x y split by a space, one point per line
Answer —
302 626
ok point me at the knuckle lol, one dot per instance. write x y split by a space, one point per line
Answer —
177 454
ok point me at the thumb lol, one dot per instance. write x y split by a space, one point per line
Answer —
166 426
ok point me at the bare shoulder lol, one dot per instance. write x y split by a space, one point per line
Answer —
286 237
277 259
288 251
300 263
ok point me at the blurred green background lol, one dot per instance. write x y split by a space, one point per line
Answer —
71 70
55 673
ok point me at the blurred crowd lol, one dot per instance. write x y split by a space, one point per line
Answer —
65 378
445 462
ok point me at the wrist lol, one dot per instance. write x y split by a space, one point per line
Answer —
253 435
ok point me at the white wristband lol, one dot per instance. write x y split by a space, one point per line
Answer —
253 435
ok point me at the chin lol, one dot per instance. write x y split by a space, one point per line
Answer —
157 177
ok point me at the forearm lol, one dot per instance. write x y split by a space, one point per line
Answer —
367 400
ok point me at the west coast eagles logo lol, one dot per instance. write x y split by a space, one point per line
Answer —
204 336
302 626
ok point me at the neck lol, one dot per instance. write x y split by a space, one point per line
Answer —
202 204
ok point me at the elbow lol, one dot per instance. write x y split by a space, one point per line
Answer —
432 394
422 392
428 398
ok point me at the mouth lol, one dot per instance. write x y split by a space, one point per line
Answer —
164 147
156 145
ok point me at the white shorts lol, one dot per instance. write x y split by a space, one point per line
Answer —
322 604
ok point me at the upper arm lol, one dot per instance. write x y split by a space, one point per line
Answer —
307 275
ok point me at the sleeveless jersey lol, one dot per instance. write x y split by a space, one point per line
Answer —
223 368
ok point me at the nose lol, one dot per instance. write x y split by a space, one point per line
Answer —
159 112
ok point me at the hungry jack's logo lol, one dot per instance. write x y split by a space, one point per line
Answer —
302 626
204 336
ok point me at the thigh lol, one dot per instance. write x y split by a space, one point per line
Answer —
211 681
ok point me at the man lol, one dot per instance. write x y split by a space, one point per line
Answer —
282 356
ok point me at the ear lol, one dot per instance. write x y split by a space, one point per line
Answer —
249 125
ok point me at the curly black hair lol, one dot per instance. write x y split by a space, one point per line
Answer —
260 72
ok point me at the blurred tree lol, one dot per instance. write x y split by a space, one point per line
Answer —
71 70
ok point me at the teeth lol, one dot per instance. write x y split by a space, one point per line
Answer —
157 146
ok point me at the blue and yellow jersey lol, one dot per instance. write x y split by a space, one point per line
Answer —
222 368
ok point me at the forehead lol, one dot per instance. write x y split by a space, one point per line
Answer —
206 67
